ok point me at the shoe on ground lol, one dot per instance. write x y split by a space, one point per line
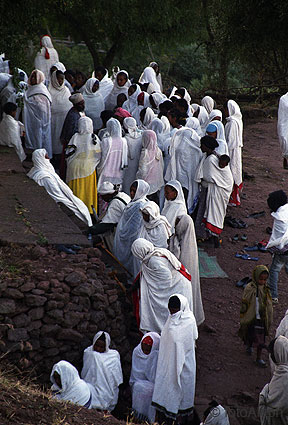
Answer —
275 300
249 351
261 363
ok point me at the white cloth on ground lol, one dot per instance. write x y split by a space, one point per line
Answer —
234 139
10 131
160 278
43 173
104 372
157 230
176 367
175 208
94 103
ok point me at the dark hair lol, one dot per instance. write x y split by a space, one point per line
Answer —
173 99
209 142
82 74
9 107
178 115
174 302
166 106
182 103
70 72
102 337
271 349
120 95
123 74
180 92
58 72
276 199
106 115
134 185
100 69
225 158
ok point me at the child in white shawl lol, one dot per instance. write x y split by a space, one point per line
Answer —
94 103
43 173
184 246
11 129
176 369
155 227
67 385
134 144
142 378
174 205
273 399
114 156
102 369
161 275
129 226
121 85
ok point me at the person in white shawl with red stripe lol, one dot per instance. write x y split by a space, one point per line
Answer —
161 275
47 56
174 388
102 369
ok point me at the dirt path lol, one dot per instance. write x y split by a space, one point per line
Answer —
224 370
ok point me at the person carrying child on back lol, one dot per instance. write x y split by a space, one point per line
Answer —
256 313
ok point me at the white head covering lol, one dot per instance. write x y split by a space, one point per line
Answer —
106 188
55 83
193 122
215 113
60 66
46 42
149 76
144 250
221 139
166 124
73 388
157 230
173 209
131 125
76 98
131 103
149 116
234 139
141 191
113 127
208 103
89 86
144 365
111 100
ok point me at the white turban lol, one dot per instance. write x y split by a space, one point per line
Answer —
76 98
106 188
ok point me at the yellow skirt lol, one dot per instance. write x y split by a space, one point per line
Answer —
85 189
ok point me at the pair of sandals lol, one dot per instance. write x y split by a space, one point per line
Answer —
68 249
242 237
236 223
245 256
260 246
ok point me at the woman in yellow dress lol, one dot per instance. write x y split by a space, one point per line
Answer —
83 154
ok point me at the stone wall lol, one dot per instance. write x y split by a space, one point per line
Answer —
51 306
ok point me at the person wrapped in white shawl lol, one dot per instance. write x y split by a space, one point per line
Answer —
43 173
216 129
161 275
273 399
208 103
94 103
146 117
282 128
149 76
174 388
134 144
10 130
67 385
105 83
131 103
114 156
155 227
142 378
121 85
102 369
185 155
47 56
174 205
150 166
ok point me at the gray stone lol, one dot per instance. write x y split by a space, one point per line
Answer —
21 320
72 318
52 330
44 285
48 342
7 306
35 300
18 334
97 316
69 335
13 293
36 324
75 278
36 313
27 287
27 346
112 299
84 289
85 303
38 291
51 352
57 315
3 286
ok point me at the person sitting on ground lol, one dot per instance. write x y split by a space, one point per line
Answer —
174 205
278 242
67 385
273 399
142 378
161 275
43 173
256 313
11 130
102 369
155 227
175 380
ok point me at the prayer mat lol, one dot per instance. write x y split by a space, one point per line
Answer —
208 266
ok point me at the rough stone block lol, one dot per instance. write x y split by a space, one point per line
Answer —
69 335
28 286
35 300
13 293
7 306
84 289
21 320
36 313
75 278
18 334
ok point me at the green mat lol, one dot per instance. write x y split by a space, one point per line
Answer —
209 266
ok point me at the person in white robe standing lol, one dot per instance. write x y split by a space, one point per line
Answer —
11 130
129 226
208 103
37 113
234 138
142 378
94 102
155 227
216 129
174 205
102 369
161 274
201 113
282 128
59 108
47 56
121 85
175 380
131 103
184 246
43 173
146 117
185 155
114 154
273 399
133 137
67 385
193 122
149 76
105 83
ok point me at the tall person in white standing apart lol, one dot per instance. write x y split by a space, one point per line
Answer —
282 128
47 56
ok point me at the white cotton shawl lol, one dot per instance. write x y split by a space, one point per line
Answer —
105 85
203 116
214 114
138 109
193 122
151 165
114 155
176 208
111 100
59 108
157 126
185 156
176 368
167 127
221 418
134 144
60 66
131 103
158 98
73 388
94 103
128 229
273 399
279 236
40 60
10 135
148 118
104 372
157 230
282 124
87 155
208 103
184 246
283 327
149 76
234 138
222 149
43 173
160 277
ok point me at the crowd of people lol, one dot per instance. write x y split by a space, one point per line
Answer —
151 174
